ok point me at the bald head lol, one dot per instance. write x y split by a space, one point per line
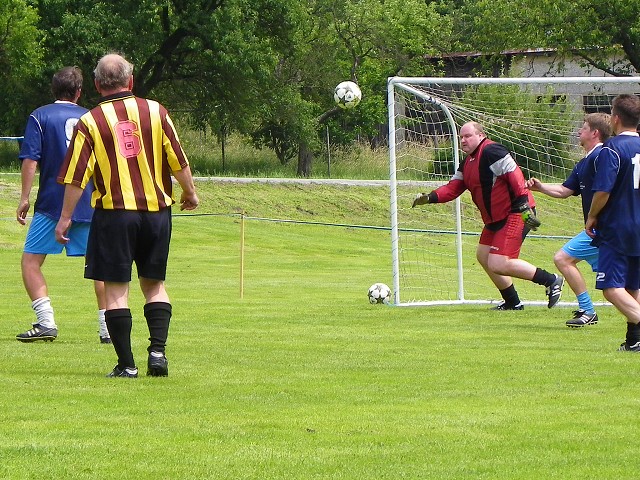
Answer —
471 135
113 73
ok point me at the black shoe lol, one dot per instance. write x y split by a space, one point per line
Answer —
625 347
582 319
38 332
105 339
555 290
503 306
157 366
126 372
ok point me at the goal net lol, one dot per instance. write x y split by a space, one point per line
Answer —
537 119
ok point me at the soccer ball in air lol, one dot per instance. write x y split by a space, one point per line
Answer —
347 94
379 293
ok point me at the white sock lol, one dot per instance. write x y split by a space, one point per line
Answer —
44 312
102 325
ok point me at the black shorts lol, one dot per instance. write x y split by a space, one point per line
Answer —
120 237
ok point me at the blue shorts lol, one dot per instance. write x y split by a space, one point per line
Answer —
41 237
580 247
617 270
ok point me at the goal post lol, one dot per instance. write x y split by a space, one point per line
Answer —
537 119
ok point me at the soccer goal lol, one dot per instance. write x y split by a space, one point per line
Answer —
433 246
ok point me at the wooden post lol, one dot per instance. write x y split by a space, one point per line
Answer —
242 215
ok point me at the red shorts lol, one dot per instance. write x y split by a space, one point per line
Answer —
508 239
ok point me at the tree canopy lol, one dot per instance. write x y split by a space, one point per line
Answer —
267 68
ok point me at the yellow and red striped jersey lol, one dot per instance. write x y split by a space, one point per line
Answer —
129 146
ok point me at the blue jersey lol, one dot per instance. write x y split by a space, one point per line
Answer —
46 138
580 180
617 172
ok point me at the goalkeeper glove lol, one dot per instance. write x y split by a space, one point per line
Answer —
529 218
423 198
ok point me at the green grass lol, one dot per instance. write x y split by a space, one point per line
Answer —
302 378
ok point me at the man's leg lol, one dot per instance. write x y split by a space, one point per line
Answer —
626 302
157 311
119 323
503 283
44 328
101 299
503 259
568 267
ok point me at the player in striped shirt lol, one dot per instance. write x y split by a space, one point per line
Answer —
128 148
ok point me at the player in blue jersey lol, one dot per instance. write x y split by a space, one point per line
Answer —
614 218
46 138
595 130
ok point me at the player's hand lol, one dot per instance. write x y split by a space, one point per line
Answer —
421 199
22 210
189 201
62 230
533 184
590 226
530 219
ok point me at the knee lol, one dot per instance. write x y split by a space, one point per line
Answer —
498 264
561 259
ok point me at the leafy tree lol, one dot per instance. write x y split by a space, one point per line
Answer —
213 59
605 35
20 62
365 41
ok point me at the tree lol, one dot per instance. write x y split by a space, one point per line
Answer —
20 62
365 41
605 35
213 59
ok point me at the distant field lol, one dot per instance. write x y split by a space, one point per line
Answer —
302 378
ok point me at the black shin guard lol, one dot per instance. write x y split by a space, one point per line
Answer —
542 277
510 296
119 323
633 333
158 315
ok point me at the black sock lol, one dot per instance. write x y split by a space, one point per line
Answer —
158 315
633 333
510 296
119 325
542 277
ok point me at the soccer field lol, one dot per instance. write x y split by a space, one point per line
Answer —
302 378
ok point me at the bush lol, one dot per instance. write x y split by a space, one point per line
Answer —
9 155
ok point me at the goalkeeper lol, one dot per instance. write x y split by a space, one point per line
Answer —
497 187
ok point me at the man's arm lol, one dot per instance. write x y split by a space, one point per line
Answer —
189 199
72 195
600 199
552 189
27 174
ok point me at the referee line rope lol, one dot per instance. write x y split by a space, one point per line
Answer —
343 225
348 225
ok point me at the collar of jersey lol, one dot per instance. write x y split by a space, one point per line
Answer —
116 96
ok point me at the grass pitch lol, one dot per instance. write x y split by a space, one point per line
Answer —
302 378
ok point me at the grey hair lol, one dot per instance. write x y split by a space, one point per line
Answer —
113 71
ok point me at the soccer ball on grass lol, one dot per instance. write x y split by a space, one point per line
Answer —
379 293
347 94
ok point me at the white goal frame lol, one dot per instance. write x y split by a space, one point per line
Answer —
413 86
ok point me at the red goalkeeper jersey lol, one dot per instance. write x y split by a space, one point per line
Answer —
493 178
